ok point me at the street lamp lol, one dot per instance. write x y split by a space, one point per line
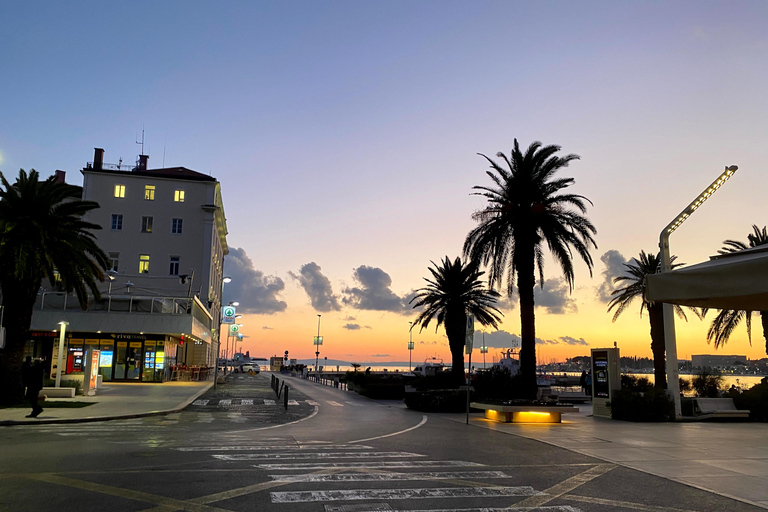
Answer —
224 280
59 358
670 342
483 350
318 342
410 346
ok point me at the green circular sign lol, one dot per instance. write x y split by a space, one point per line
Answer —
234 328
229 311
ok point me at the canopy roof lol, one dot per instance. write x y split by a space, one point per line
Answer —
736 280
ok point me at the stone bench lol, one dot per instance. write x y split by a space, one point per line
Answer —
716 408
58 392
524 413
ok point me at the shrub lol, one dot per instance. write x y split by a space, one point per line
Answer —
650 405
444 400
707 384
636 384
498 384
755 399
383 387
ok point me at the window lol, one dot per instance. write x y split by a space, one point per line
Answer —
149 192
176 226
144 264
114 260
174 266
120 191
178 196
146 224
117 222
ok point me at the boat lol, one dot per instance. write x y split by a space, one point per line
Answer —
431 367
509 360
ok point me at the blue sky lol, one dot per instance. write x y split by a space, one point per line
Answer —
346 134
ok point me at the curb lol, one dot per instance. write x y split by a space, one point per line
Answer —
89 419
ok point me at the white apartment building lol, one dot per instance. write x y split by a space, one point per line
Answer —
164 231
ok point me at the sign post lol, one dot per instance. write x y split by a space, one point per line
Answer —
228 314
470 338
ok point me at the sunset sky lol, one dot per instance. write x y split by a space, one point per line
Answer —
346 135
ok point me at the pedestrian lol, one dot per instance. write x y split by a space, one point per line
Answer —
583 381
588 383
32 377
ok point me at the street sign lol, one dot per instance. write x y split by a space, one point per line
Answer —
228 313
318 340
470 334
233 329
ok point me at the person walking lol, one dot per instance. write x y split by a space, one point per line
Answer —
32 374
583 381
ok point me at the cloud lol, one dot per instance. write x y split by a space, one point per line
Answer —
496 339
563 340
352 327
555 297
374 292
318 288
268 328
380 355
256 292
614 267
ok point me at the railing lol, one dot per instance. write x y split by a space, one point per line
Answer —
58 301
114 167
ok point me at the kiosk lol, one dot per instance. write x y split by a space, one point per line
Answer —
606 379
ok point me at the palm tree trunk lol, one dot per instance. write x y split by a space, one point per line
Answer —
525 283
455 328
764 320
658 347
17 318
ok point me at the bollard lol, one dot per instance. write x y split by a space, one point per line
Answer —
286 398
280 390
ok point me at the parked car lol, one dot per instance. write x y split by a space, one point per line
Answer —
249 368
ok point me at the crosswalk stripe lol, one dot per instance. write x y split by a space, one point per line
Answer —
204 417
372 464
200 402
312 402
354 403
246 401
402 494
237 417
271 447
389 476
337 404
318 455
269 402
225 402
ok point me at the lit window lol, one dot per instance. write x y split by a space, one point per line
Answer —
114 260
146 224
144 264
178 196
119 190
149 192
174 266
117 222
176 226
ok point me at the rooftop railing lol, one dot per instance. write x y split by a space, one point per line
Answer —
61 301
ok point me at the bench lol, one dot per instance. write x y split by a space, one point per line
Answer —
716 408
524 413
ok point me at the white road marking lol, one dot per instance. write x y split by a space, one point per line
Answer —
556 508
236 417
402 494
271 447
246 401
337 404
372 464
311 402
293 402
353 403
318 455
269 402
389 476
204 417
282 425
200 402
226 402
423 421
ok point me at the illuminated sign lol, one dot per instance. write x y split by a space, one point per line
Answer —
106 358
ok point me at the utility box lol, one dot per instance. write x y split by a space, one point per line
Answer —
606 379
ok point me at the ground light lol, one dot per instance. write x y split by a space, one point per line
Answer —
673 385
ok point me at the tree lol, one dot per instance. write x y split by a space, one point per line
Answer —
637 270
727 320
525 211
43 236
455 290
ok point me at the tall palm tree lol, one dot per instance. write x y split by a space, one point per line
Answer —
527 210
455 290
43 236
637 270
727 320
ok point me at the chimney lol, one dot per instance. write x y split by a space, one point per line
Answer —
60 176
143 162
98 158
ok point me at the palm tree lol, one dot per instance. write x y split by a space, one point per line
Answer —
43 236
637 270
727 320
525 211
455 290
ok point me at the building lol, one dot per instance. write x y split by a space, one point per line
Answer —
164 231
712 361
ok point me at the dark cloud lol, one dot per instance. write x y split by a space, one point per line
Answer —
563 340
352 327
256 293
555 297
374 292
318 287
614 267
496 339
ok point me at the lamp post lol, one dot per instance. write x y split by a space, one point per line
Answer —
410 346
318 342
483 350
670 341
63 325
224 280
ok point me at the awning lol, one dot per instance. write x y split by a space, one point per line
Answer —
736 280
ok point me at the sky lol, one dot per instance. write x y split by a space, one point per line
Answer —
346 135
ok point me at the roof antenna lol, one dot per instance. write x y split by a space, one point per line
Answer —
164 144
142 140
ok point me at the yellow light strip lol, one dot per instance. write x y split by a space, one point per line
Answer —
729 171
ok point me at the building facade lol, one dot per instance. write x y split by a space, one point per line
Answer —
164 231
